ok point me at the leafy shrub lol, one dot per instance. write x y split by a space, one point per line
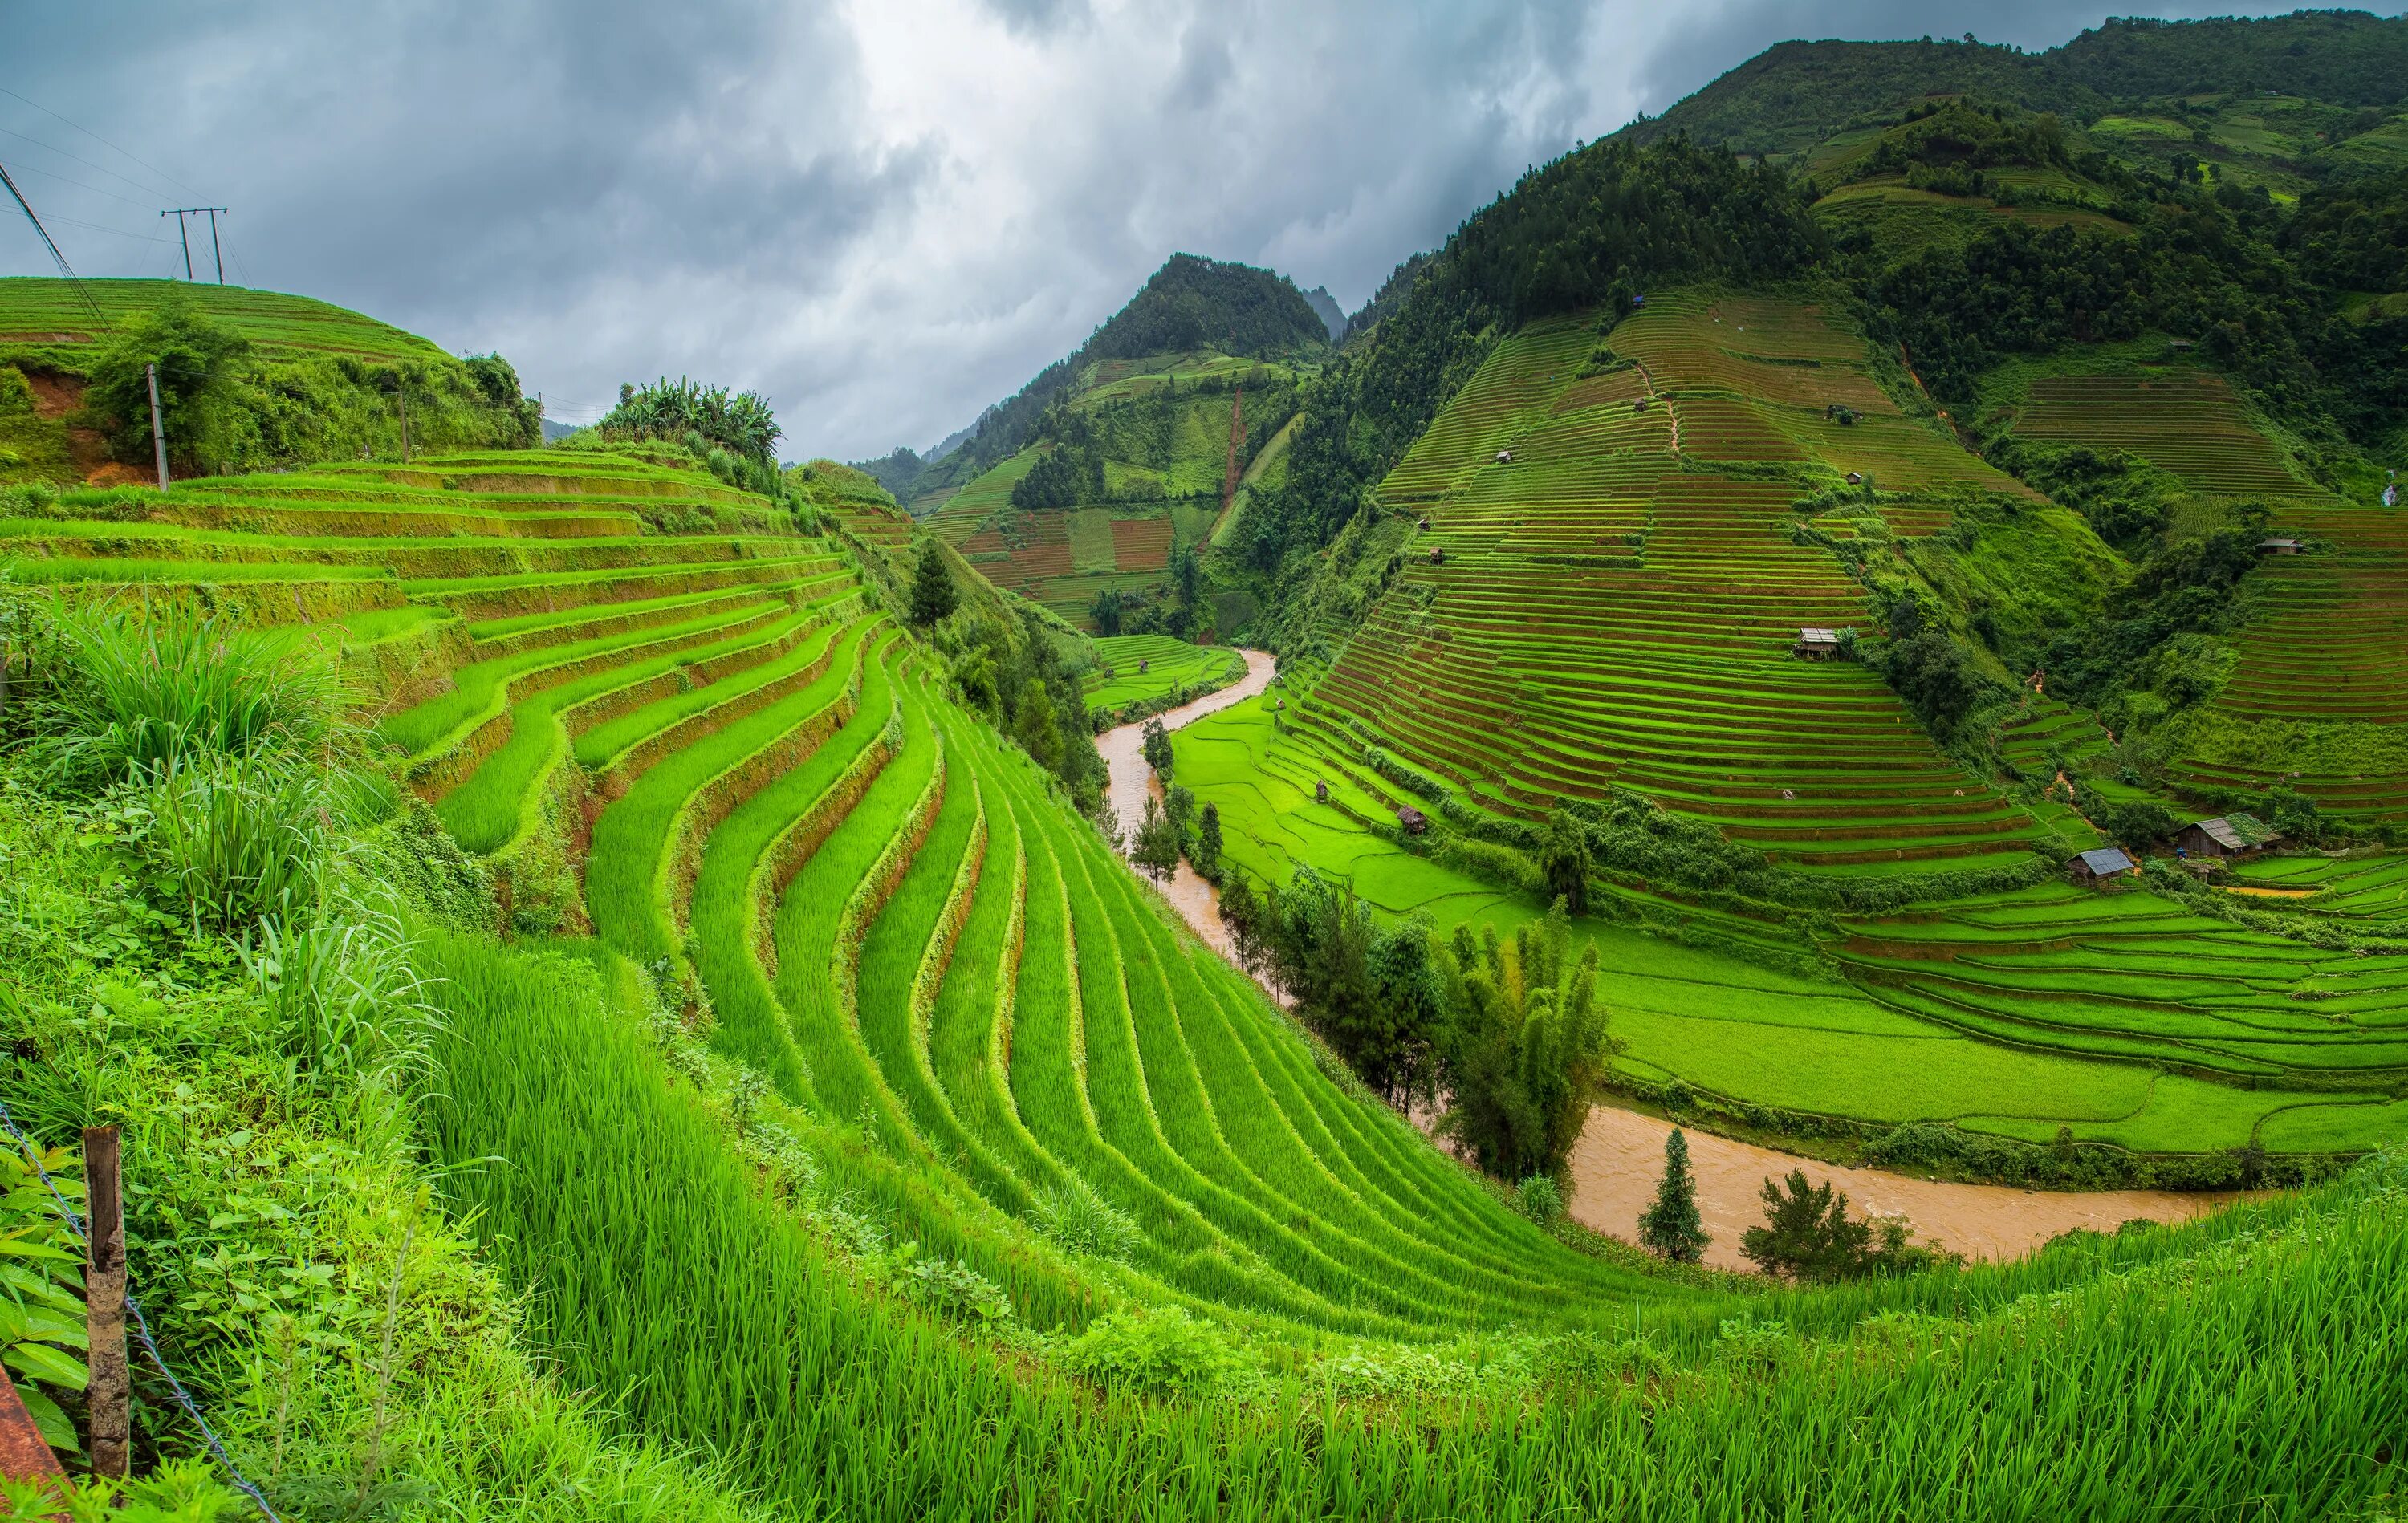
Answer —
179 1491
946 1287
1540 1199
1077 1220
1499 864
130 696
198 362
1165 1352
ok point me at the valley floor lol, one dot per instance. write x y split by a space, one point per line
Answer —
1620 1154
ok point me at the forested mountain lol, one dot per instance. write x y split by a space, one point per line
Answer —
1190 304
1792 95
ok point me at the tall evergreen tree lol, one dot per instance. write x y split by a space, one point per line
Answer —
1671 1227
1208 843
932 587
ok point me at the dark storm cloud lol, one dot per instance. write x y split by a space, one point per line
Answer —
883 214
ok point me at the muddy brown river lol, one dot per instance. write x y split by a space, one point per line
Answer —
1620 1153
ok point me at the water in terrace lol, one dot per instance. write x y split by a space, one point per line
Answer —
1620 1153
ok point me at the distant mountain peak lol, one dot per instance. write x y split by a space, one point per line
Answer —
1333 317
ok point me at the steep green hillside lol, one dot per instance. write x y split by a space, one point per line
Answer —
2011 413
250 379
882 1077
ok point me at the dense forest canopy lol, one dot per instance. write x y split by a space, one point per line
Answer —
1191 303
1790 95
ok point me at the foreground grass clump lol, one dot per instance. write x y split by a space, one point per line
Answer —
341 1333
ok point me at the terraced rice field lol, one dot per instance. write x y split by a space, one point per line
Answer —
45 312
2187 424
2328 641
764 798
1609 614
1170 666
1941 1012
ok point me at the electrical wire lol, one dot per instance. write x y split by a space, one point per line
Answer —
151 190
102 141
98 227
52 244
46 174
75 1224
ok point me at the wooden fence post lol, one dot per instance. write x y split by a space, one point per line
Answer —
109 1396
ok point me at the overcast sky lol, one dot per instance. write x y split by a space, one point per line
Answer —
883 214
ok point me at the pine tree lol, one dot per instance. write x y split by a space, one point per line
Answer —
1208 844
1671 1227
932 587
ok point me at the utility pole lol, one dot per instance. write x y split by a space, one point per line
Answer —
186 241
110 1396
179 213
158 433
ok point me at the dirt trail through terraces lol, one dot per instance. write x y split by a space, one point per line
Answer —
1620 1153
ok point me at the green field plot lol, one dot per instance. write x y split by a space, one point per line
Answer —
2185 422
1169 666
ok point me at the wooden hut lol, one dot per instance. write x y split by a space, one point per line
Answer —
2281 545
1817 645
1412 820
1320 793
2095 866
2232 838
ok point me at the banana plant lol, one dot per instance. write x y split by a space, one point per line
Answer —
41 1290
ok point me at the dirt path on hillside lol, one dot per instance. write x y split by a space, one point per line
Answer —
1129 782
1620 1154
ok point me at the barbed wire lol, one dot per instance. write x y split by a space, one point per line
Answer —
75 1223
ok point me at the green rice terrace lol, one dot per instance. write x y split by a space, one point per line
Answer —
926 1025
1593 570
1857 627
1137 673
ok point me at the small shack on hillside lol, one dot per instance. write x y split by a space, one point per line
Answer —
1438 556
2281 545
1817 645
1504 457
2232 837
2104 862
1320 793
1412 820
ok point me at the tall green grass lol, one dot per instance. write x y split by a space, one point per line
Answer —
134 692
2247 1366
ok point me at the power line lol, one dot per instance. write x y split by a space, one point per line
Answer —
52 148
97 139
102 227
52 244
52 174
